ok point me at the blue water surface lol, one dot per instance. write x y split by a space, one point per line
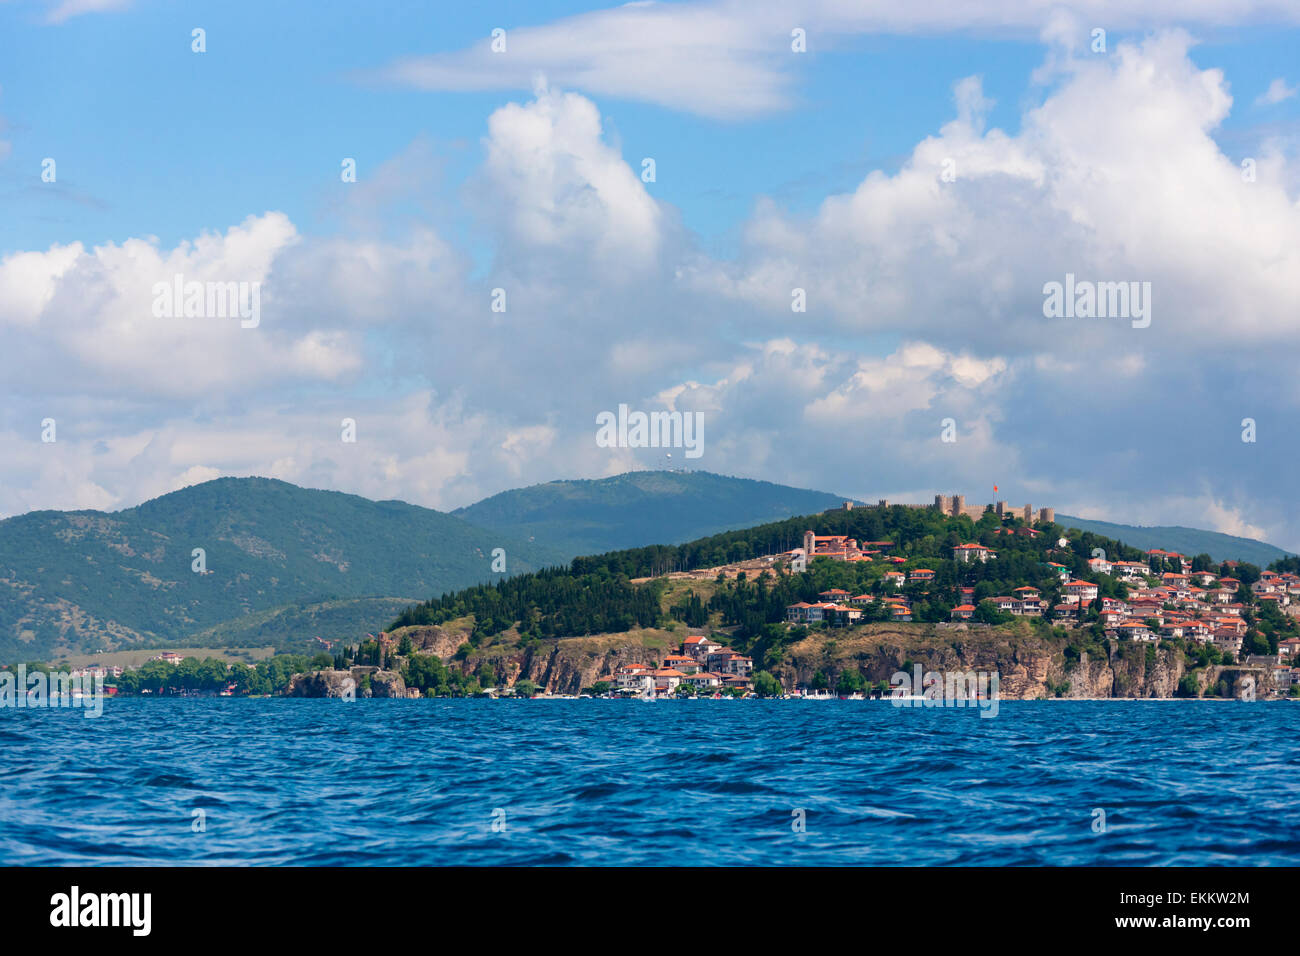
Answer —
699 782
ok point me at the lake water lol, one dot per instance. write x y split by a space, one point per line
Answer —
634 783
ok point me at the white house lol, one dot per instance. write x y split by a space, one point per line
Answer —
971 552
1076 590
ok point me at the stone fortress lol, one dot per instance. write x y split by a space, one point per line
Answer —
955 506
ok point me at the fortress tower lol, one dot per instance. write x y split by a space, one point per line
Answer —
1046 515
1029 514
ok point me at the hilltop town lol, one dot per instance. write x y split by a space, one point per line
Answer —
1020 566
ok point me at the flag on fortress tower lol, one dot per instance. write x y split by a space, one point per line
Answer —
995 489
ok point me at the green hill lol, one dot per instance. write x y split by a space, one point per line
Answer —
88 580
640 508
627 598
1189 541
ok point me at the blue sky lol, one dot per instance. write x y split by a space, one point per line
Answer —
774 170
157 140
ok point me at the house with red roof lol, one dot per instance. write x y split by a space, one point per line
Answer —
966 553
704 680
1080 590
683 663
726 661
701 647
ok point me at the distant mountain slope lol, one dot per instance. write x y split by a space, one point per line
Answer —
640 508
286 628
89 579
1189 541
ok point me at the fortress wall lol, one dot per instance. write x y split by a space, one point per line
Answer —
956 505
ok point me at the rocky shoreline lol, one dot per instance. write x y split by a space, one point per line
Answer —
1030 665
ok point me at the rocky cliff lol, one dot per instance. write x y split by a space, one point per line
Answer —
1029 664
563 666
359 682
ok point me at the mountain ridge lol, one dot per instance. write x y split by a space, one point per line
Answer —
591 516
286 564
1185 540
86 580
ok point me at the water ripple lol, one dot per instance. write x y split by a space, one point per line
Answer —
302 782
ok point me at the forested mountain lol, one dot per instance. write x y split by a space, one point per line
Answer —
1222 547
87 580
639 508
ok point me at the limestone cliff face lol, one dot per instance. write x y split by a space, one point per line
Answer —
1029 665
563 666
329 683
387 684
442 640
569 665
335 683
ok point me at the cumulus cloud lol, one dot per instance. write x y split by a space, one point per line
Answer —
1116 177
553 183
924 303
89 320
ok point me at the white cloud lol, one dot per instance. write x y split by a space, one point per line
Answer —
555 184
64 10
92 315
731 59
924 303
1116 176
28 281
1277 92
706 57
